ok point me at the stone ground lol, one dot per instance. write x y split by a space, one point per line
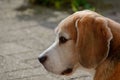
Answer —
24 35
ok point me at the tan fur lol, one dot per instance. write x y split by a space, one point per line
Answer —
91 26
98 45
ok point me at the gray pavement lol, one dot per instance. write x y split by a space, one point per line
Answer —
23 36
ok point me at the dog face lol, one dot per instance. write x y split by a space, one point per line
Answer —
82 38
61 55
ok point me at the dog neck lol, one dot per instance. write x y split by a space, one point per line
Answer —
104 71
108 68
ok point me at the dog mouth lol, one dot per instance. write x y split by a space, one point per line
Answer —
67 71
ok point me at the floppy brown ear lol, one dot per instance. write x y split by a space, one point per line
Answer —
93 40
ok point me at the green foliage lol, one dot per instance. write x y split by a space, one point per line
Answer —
74 5
80 4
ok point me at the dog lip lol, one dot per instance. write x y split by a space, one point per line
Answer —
67 71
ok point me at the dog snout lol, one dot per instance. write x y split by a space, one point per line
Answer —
42 59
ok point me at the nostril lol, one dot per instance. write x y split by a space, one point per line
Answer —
42 59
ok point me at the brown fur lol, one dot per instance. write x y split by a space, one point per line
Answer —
110 68
67 28
93 42
95 31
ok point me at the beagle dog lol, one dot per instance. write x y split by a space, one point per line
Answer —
88 40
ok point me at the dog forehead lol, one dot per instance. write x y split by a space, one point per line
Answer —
67 26
70 20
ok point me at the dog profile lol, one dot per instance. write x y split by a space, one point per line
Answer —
89 40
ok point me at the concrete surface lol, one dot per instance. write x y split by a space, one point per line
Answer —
24 35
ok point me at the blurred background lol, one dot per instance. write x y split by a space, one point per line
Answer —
27 28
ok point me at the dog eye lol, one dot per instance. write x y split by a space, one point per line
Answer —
62 39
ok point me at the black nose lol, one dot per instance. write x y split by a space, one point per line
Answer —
42 59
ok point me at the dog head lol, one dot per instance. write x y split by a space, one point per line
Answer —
82 38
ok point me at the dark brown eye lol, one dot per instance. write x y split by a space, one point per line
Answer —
62 39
